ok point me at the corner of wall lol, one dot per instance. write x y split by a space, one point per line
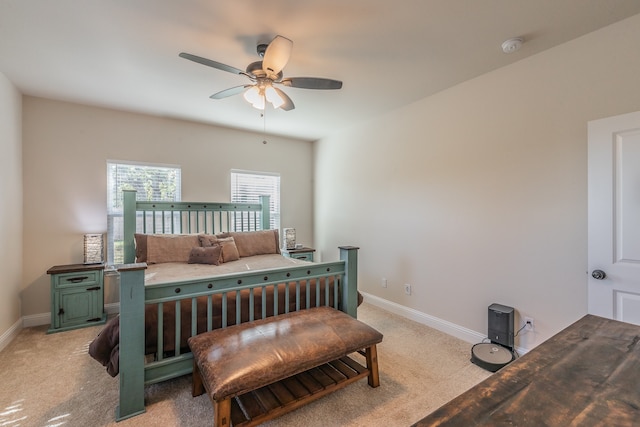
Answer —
11 223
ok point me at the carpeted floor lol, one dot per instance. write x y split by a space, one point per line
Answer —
50 380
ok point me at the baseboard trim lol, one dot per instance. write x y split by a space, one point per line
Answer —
434 322
39 320
36 320
10 334
441 325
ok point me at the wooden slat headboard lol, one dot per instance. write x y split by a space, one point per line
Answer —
187 218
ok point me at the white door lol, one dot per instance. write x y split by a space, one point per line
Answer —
614 217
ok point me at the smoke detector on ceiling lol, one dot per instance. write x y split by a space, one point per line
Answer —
511 45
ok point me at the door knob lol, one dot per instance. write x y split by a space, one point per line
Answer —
598 274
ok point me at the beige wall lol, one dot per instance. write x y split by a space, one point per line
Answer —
478 194
66 147
10 204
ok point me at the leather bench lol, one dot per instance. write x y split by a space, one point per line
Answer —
279 363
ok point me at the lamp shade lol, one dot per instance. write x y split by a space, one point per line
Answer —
93 248
289 237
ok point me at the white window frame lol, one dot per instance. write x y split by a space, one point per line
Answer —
114 198
248 186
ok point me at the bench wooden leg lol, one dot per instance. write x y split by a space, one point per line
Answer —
222 413
372 365
197 388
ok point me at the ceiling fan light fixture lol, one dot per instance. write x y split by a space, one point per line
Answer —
255 97
273 97
252 95
259 104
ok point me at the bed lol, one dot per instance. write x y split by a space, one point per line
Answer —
164 303
586 375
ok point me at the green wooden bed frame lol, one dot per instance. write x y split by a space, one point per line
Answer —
213 217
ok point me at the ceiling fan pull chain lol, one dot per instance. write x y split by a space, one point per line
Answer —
264 126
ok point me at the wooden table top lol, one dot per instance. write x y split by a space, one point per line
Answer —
586 375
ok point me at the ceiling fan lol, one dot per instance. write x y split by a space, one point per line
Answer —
265 74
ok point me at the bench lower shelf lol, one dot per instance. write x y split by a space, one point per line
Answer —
276 399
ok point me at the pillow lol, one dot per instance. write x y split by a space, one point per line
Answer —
207 240
250 243
208 255
140 241
170 247
229 249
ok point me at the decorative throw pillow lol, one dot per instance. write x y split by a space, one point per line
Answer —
170 247
229 249
207 240
250 243
208 255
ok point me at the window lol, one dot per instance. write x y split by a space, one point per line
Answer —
246 187
152 183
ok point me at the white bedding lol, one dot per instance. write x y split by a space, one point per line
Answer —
180 271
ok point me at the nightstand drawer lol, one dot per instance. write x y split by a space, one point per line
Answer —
304 253
304 256
80 278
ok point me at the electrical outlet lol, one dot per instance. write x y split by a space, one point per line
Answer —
407 289
383 283
528 323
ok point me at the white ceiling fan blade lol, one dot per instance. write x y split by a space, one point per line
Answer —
276 56
312 83
210 63
229 92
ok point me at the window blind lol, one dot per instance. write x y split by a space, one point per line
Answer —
247 187
151 182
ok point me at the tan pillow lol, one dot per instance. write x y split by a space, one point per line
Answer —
170 247
207 240
229 249
250 243
208 255
140 241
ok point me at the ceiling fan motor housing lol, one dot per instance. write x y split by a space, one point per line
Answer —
255 69
262 48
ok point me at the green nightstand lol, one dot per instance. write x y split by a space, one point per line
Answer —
77 296
303 253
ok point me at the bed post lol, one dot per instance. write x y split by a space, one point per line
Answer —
349 291
266 220
131 340
129 220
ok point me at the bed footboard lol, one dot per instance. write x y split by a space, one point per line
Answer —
135 373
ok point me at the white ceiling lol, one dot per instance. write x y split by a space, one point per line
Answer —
123 54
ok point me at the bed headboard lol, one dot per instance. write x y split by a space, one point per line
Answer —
188 218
